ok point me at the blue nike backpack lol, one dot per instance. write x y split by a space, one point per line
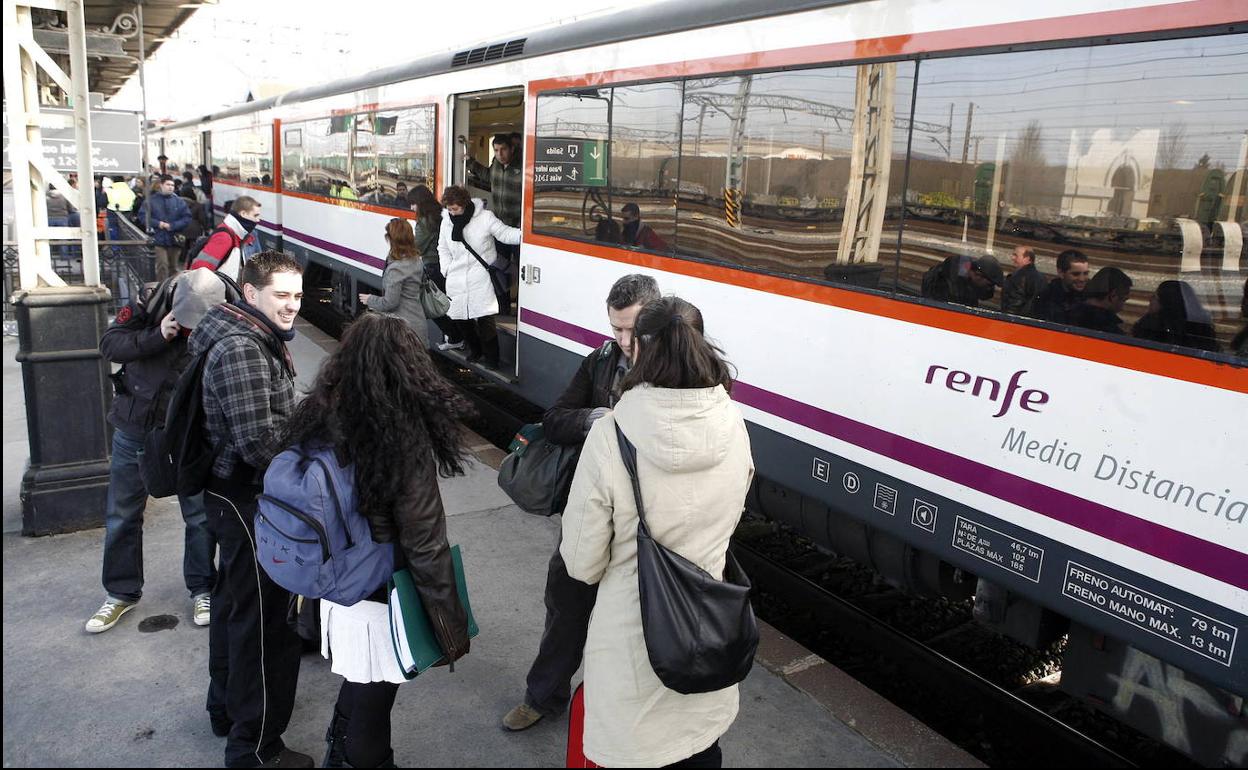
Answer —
310 535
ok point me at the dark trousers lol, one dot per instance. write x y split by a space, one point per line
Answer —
445 325
368 707
568 606
253 655
481 336
711 756
122 573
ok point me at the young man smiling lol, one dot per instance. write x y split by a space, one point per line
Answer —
249 391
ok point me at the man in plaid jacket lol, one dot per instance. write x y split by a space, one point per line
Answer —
249 391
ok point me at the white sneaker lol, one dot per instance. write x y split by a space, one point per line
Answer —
202 612
450 345
107 615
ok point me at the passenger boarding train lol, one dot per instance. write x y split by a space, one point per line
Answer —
798 168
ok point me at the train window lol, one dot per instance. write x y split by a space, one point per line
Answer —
374 157
1132 155
244 155
767 171
645 154
568 190
182 153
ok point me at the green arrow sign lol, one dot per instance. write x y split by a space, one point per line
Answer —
594 156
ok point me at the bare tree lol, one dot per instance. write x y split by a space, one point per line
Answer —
1173 147
1027 163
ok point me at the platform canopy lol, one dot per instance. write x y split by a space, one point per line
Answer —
113 46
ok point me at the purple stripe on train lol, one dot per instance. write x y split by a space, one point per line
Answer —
335 249
1216 561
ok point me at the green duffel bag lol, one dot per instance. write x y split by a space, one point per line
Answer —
537 473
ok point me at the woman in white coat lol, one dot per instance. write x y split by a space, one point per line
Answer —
694 467
467 227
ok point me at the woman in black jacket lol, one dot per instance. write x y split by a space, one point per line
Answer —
383 406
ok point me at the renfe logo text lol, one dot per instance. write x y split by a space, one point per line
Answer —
986 387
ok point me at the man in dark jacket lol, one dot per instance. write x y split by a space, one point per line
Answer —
1066 290
1103 299
1022 289
166 217
592 393
249 391
963 280
149 340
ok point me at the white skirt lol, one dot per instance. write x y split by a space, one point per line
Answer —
356 641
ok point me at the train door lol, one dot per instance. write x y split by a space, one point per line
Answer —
477 119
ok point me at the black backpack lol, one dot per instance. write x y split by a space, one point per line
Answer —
192 252
177 457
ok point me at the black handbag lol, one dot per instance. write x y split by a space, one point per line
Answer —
537 474
700 632
501 294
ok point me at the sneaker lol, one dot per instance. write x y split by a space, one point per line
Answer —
289 758
522 717
444 346
107 615
202 609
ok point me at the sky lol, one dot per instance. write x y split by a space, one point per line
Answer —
232 47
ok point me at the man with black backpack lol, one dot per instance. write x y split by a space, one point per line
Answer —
149 338
591 394
248 392
223 249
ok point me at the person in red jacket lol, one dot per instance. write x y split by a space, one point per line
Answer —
224 250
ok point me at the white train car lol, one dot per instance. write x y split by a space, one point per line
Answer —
800 168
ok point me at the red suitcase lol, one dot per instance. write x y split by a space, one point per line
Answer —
576 730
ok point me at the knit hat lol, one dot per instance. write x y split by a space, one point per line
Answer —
194 294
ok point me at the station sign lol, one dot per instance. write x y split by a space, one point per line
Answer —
570 162
116 145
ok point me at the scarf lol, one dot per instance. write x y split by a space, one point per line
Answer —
252 310
460 221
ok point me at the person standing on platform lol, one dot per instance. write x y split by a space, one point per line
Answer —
149 340
120 203
249 391
166 216
381 403
593 392
1065 291
693 471
1022 289
226 249
466 250
402 281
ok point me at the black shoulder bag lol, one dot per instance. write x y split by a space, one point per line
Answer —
501 294
700 632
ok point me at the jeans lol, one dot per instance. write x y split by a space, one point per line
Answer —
114 225
123 528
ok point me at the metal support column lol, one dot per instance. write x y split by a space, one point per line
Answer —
870 163
65 486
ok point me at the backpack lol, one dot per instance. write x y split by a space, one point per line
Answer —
177 456
192 253
311 538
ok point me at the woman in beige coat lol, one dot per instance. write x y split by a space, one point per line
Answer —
694 466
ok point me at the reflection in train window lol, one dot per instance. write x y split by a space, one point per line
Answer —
244 155
564 203
374 157
767 170
1131 154
645 153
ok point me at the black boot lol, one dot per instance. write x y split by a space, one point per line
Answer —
336 741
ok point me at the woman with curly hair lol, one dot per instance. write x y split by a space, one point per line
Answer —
383 407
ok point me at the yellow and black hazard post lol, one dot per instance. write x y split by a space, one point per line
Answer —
732 206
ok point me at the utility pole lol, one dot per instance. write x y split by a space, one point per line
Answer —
966 140
949 135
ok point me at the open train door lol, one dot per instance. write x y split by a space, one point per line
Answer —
476 119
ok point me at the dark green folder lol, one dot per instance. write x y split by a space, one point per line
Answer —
408 619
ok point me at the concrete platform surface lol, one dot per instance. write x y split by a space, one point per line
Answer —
134 696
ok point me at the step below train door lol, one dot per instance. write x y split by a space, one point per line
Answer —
487 127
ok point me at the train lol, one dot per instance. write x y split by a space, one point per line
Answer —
801 167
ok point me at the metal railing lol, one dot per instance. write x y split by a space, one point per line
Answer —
125 266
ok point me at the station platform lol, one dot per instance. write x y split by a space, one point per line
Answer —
134 696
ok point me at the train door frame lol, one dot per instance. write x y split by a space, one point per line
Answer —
460 123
